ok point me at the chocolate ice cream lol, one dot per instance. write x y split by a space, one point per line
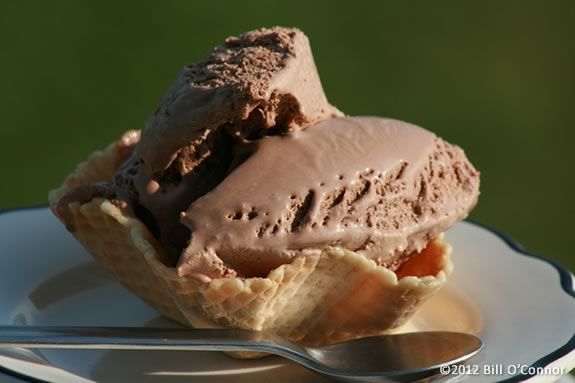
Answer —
261 83
382 188
245 164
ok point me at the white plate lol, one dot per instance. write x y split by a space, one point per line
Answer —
521 306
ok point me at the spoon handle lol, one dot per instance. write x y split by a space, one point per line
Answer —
133 338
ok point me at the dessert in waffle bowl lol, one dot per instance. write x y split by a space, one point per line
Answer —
248 201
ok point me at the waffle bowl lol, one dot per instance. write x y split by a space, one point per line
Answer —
320 297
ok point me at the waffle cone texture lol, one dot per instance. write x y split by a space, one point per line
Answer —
321 297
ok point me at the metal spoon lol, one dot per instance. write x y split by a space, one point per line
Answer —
387 358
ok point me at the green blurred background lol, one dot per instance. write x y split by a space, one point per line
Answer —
497 78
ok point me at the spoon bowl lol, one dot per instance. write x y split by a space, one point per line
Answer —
395 358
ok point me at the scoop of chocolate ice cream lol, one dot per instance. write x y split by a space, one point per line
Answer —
261 83
380 187
262 80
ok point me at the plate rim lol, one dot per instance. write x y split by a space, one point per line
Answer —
566 281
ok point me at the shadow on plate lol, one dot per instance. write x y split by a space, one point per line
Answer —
69 282
186 366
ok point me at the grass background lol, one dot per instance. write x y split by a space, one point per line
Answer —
497 78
